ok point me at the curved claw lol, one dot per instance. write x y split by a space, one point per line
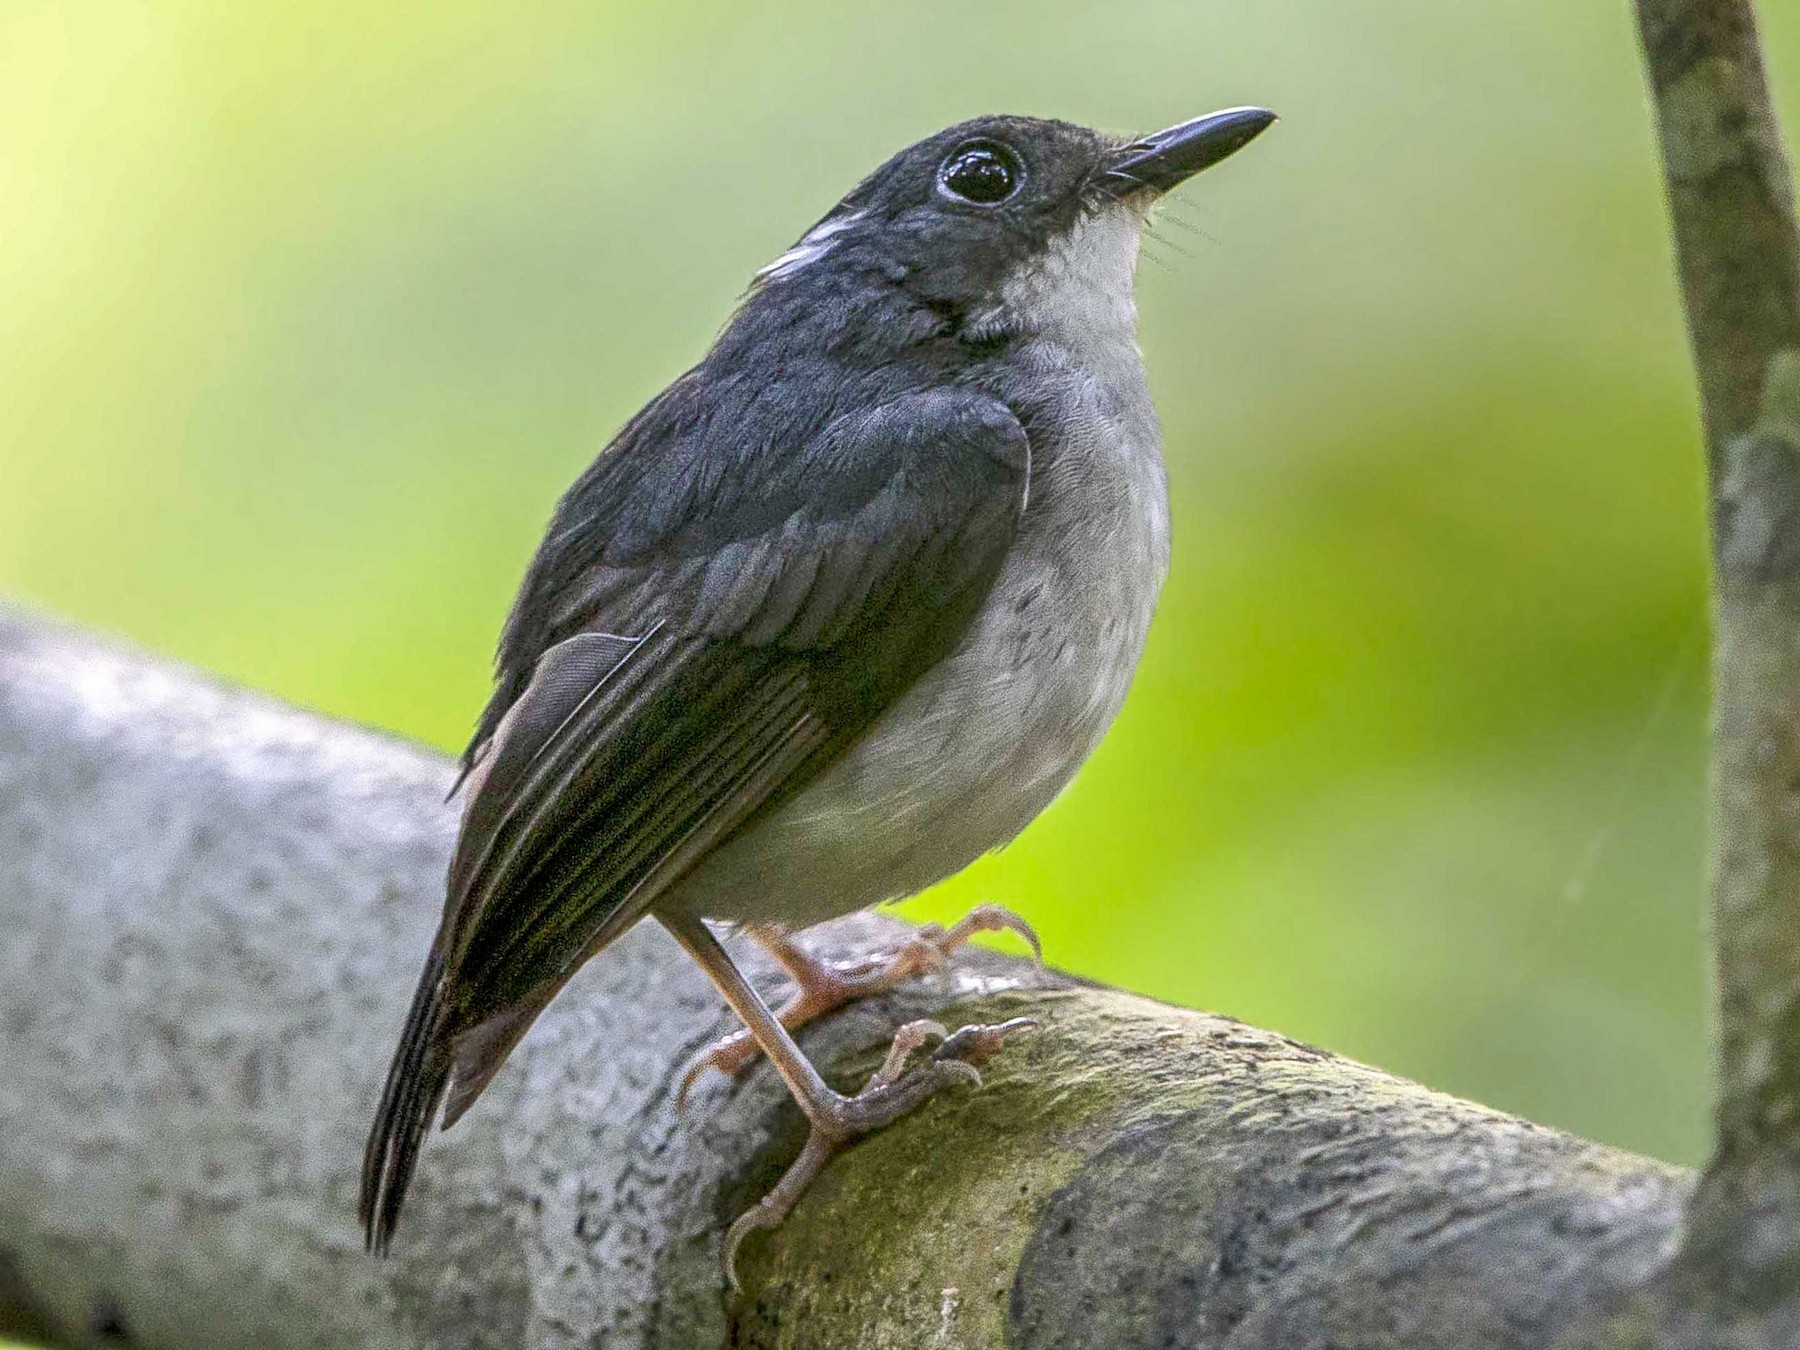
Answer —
756 1217
999 919
730 1055
907 1039
689 1077
975 1044
760 1215
954 1069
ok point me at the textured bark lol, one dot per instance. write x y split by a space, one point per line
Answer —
214 907
1731 196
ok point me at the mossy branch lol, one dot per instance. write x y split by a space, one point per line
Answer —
213 908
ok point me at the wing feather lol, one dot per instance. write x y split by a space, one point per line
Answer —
700 667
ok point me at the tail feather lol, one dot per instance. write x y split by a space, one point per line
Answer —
478 1053
415 1084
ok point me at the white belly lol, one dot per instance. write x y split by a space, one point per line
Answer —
987 738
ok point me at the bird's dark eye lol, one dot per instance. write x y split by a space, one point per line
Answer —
983 172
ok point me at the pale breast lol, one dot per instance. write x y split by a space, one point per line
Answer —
986 739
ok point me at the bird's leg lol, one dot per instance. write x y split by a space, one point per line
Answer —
821 986
836 1120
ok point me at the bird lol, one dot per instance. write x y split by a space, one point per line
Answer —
840 610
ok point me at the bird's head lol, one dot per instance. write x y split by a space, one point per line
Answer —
1001 224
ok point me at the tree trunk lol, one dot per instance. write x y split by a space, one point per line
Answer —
1731 197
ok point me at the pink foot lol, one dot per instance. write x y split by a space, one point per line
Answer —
890 1093
821 987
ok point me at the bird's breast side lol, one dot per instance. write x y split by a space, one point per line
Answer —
988 737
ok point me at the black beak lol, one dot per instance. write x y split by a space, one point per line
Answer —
1157 163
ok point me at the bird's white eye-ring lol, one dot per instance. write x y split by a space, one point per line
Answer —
983 172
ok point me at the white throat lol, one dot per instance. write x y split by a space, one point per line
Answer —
1078 292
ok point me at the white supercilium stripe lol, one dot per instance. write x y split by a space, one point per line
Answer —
815 244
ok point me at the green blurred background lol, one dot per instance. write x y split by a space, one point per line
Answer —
309 311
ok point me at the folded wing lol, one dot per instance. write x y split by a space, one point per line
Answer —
713 655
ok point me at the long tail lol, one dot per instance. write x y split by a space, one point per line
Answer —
415 1084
